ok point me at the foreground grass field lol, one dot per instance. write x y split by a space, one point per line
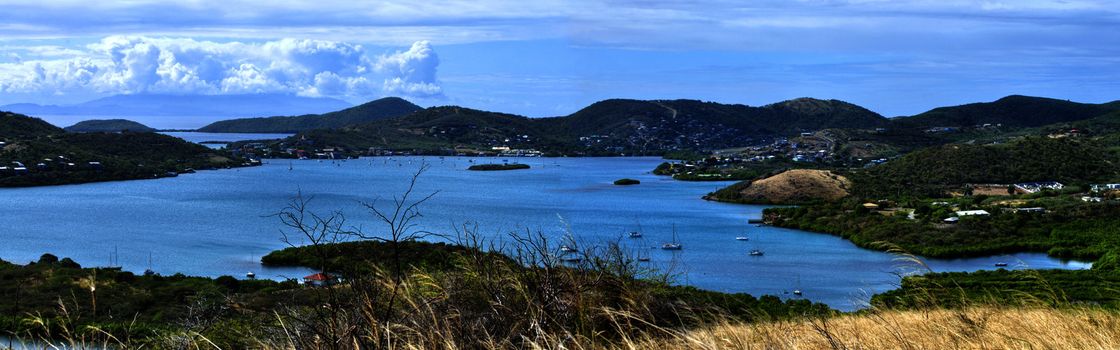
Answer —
968 328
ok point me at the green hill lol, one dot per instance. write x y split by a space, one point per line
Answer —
18 126
932 171
606 127
108 125
1011 111
388 107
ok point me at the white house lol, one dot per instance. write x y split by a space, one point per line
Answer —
973 213
1104 187
1033 187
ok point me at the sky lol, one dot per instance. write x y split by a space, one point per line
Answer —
549 58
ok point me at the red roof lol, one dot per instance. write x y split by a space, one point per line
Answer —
317 277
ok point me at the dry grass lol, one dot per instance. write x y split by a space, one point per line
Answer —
971 328
799 185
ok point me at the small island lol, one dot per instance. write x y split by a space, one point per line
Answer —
493 167
626 182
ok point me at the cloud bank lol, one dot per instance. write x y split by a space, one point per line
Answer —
139 64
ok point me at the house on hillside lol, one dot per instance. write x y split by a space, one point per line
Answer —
964 213
1104 187
320 279
1035 187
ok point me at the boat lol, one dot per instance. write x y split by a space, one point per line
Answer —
756 252
567 249
637 233
742 238
797 291
675 244
672 246
250 275
1001 264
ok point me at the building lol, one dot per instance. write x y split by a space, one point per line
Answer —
1030 210
1035 187
320 279
963 213
1104 187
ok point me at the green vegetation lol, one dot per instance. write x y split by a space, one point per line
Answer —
493 167
933 172
89 157
48 297
17 126
108 125
1011 111
611 127
389 107
1052 288
626 182
35 153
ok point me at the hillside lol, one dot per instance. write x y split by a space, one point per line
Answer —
1012 111
108 125
66 158
795 186
389 107
17 126
36 153
932 171
609 127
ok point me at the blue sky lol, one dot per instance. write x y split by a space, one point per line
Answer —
546 58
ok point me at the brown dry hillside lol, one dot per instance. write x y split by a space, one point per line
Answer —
789 187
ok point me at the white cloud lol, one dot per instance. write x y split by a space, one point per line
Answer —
138 64
412 72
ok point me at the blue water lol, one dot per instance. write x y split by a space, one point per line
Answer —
216 222
199 137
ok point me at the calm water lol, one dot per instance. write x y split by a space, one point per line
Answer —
199 137
216 222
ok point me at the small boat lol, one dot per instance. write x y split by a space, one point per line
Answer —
567 249
797 292
635 234
250 275
742 238
756 252
675 244
1001 264
643 258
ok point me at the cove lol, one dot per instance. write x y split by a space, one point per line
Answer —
216 223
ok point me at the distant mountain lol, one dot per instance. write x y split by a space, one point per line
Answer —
605 127
388 107
108 125
223 106
1012 111
18 126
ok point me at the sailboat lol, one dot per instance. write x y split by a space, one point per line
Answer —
797 291
250 274
756 252
638 233
675 244
289 165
